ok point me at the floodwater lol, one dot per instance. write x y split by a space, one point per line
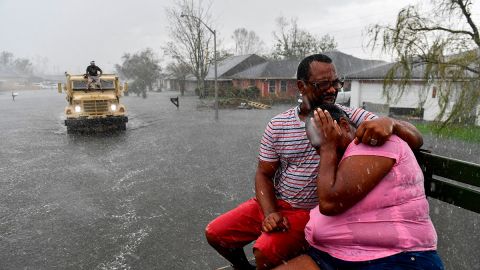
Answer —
141 199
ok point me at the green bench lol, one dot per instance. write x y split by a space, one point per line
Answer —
450 180
454 181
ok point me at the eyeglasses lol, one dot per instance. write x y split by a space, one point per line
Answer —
337 84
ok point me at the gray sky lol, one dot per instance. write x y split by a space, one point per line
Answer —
71 33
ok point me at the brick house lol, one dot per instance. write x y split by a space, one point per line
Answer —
278 78
273 78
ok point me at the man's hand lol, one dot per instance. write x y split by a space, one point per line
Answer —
275 222
375 132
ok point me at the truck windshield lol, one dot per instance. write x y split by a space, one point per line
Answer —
105 85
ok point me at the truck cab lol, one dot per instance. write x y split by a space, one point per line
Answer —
94 108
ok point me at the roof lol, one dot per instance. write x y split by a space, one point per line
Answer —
346 64
276 69
380 72
234 64
255 67
287 69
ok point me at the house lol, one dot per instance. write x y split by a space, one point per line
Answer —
274 78
225 69
278 78
419 99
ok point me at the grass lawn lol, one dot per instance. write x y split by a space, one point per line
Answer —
460 132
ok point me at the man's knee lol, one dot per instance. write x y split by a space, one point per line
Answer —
215 234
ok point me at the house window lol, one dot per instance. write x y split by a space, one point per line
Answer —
252 83
271 86
283 86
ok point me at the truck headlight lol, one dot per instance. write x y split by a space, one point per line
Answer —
113 107
78 108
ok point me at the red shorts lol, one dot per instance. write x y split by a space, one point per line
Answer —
242 225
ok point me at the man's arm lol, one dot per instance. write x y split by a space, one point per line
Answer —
101 72
265 194
377 132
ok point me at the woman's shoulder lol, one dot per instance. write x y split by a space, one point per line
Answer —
393 148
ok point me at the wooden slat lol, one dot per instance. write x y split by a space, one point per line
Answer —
463 197
453 169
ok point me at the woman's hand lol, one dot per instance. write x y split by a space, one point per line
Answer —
375 132
327 128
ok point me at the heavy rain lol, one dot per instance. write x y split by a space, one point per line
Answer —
125 168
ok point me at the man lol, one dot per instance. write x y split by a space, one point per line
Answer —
285 181
93 75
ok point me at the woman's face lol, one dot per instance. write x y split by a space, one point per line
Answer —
348 133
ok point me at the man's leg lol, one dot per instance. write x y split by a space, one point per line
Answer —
97 82
271 249
89 82
230 232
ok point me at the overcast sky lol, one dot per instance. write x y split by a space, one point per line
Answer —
71 33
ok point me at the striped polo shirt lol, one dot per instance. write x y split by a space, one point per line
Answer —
285 140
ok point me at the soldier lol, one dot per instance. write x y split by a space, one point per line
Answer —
93 76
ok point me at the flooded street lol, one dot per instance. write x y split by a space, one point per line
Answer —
141 199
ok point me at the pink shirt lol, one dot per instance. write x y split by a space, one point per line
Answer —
392 218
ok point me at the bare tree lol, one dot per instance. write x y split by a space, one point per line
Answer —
293 42
6 58
192 42
247 42
445 42
19 65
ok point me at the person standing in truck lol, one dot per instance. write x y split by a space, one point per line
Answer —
93 74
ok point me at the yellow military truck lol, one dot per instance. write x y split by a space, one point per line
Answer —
96 106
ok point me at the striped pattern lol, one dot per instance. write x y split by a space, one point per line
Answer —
285 140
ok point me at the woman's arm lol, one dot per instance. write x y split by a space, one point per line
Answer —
340 186
380 129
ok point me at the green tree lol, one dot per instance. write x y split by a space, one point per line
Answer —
179 71
293 42
192 43
142 68
445 43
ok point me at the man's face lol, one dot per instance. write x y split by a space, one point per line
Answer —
318 89
92 64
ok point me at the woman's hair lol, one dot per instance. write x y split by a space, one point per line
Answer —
335 112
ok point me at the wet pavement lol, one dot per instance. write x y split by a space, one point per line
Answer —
141 199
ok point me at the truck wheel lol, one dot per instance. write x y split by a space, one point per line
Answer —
122 126
70 130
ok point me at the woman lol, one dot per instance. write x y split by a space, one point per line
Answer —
372 212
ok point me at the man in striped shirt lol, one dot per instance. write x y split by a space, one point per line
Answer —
285 184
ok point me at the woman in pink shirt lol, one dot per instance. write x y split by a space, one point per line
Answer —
372 212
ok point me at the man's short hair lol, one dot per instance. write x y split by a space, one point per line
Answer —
92 62
303 71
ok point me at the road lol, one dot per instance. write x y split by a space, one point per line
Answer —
142 198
